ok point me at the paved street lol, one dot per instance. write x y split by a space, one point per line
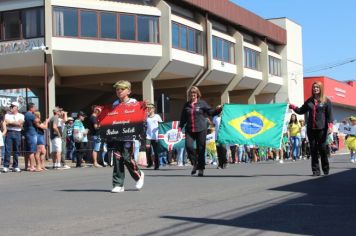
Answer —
245 199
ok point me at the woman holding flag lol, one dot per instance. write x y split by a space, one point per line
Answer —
193 117
319 125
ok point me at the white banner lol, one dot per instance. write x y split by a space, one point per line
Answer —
347 129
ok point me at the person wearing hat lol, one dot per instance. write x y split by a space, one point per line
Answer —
14 123
56 137
80 138
69 139
152 135
94 131
123 150
351 140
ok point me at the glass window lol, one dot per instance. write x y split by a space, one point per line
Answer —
127 27
65 22
220 48
226 52
215 47
88 24
175 35
33 23
147 29
191 40
275 66
199 42
252 59
11 22
108 25
183 37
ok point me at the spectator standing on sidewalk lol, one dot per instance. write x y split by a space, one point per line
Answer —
351 141
80 135
56 137
14 121
294 136
152 136
41 149
62 121
319 125
31 138
123 150
70 140
3 131
94 131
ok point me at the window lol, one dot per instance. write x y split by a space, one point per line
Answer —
191 40
108 25
223 50
183 37
33 23
11 24
186 38
65 22
275 66
88 24
175 35
127 27
147 29
252 59
104 25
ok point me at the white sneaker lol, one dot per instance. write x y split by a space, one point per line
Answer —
352 160
139 183
281 161
65 167
5 170
118 189
180 164
16 169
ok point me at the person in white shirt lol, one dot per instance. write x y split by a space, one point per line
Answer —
14 121
152 136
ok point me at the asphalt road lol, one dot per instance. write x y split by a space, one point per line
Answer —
245 199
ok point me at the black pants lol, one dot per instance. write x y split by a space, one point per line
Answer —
197 158
80 152
233 149
304 148
221 150
317 140
154 145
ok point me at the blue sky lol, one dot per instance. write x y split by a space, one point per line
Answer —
329 32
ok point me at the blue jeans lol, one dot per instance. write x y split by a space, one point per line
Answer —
181 158
295 141
12 146
241 153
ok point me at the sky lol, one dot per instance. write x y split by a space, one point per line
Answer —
328 28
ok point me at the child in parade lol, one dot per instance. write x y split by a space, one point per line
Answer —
123 150
351 141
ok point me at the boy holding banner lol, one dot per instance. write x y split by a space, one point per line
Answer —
123 149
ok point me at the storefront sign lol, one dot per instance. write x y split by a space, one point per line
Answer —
20 46
123 123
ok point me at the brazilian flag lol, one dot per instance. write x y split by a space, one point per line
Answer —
260 124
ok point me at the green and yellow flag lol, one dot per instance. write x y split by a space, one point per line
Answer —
260 124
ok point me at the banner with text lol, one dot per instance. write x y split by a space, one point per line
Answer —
125 122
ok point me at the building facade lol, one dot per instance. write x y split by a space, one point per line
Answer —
341 94
71 52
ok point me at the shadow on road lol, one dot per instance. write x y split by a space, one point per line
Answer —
327 207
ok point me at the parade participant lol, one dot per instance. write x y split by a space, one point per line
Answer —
93 129
41 149
152 136
294 136
14 121
351 141
220 148
123 150
319 124
193 117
